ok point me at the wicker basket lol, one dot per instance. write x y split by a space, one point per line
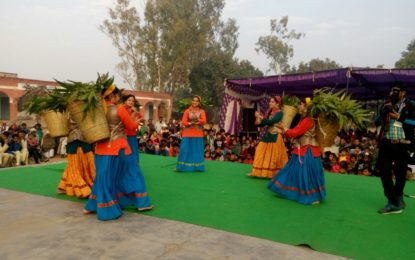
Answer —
289 113
326 131
93 129
57 123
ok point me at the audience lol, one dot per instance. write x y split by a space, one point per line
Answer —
357 150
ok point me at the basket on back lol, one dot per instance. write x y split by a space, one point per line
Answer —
334 110
326 131
288 114
94 126
289 109
57 123
85 107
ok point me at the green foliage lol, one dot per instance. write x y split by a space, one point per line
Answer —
207 80
159 50
31 100
315 65
184 104
276 45
408 57
338 106
54 101
288 100
87 93
34 106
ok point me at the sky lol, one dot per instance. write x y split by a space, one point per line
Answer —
60 39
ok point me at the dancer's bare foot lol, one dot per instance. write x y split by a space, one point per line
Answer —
86 212
315 202
59 191
145 209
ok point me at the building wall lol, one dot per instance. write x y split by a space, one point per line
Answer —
13 87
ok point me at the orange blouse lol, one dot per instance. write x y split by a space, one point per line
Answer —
137 117
193 130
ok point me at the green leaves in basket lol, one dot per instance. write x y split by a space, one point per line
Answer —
288 100
338 106
184 104
89 94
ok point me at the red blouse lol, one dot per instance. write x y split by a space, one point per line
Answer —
303 126
113 148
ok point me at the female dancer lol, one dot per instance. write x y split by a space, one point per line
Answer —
191 154
129 102
270 154
79 174
302 178
119 181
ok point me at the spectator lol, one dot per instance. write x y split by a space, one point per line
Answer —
150 126
150 149
24 152
4 146
160 124
174 149
4 127
39 132
14 150
48 146
208 156
33 147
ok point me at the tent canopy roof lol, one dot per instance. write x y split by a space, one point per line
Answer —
362 83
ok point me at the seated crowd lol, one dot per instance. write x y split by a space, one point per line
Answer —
20 145
354 152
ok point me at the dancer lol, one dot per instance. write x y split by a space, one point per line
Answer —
191 154
129 104
119 181
270 154
302 178
79 174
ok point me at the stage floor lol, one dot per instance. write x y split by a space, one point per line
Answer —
223 198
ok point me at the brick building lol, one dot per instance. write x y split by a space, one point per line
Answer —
12 88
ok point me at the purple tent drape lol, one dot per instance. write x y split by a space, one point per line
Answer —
361 83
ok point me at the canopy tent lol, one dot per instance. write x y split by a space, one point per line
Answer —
362 83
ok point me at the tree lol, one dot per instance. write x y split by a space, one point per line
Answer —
276 45
408 57
173 37
229 37
315 65
207 78
124 30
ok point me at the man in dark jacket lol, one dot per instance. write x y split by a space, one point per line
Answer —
395 139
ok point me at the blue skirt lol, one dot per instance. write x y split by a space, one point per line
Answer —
119 182
301 179
191 155
133 143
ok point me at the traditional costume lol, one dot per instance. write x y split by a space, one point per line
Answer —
302 178
270 154
79 174
119 181
132 133
191 154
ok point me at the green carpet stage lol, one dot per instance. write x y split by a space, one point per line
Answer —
346 224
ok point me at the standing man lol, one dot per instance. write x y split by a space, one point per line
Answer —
159 125
393 147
